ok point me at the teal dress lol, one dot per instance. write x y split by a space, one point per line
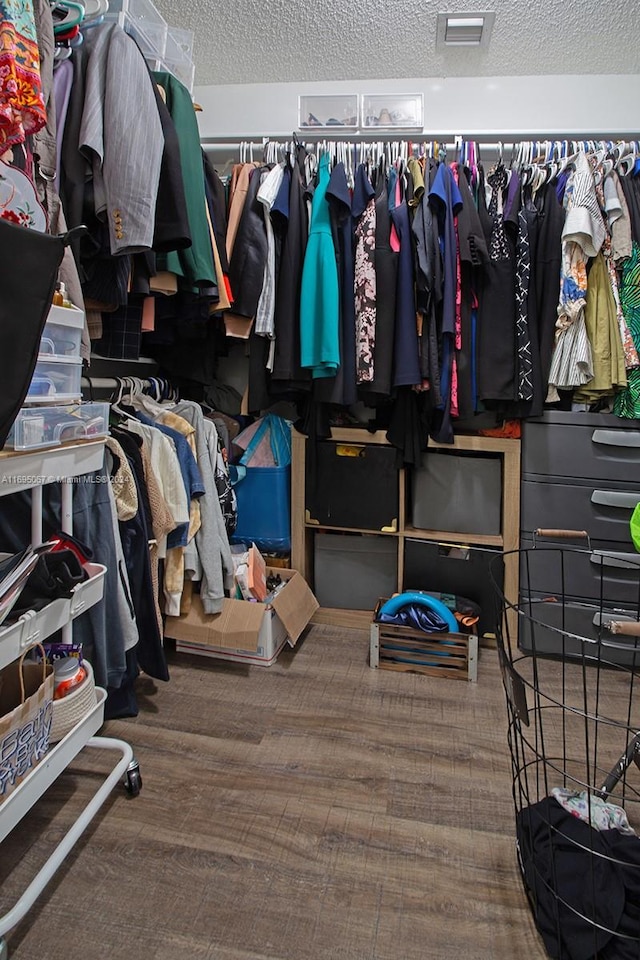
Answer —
319 292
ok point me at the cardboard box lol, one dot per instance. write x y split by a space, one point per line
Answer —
246 631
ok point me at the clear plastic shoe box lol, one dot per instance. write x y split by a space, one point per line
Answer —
45 426
56 379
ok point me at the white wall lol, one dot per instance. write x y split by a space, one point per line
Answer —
480 106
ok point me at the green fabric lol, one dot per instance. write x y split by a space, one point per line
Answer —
195 263
627 402
634 526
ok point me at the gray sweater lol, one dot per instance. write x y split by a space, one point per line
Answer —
211 539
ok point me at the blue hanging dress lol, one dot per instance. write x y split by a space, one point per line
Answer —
319 293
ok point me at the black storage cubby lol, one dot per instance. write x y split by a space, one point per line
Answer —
456 569
351 485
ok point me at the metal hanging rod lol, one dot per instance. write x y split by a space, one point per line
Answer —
314 134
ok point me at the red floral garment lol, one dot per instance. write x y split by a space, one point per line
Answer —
22 110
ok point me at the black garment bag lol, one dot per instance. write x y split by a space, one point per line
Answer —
28 273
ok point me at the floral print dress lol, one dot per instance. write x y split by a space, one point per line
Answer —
22 110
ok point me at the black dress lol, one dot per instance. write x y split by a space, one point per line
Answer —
497 353
286 366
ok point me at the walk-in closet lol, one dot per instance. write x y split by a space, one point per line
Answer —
319 481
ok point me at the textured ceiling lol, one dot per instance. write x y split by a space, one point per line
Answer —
263 41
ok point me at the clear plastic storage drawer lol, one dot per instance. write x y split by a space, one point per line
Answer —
62 334
50 426
55 379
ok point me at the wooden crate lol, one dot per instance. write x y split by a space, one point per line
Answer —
413 651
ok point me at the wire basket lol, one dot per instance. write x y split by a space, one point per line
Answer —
69 710
569 669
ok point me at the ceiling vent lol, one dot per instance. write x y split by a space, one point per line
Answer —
464 29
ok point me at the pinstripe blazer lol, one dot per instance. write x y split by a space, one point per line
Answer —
121 136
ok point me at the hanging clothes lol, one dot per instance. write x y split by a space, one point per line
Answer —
365 285
341 389
474 255
627 402
250 250
406 363
287 363
497 348
582 237
428 286
602 328
386 268
22 109
319 293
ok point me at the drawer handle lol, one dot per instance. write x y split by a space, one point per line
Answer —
617 438
604 619
350 450
628 628
622 499
561 534
626 561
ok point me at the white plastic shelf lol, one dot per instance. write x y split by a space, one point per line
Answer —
32 470
24 471
20 800
36 626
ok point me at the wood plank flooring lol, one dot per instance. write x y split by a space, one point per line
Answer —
313 810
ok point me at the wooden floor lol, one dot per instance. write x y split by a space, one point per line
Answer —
313 810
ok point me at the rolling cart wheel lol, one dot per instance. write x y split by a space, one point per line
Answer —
133 784
4 952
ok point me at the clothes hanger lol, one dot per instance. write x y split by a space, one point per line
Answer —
66 15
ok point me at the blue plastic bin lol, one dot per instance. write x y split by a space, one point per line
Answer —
264 507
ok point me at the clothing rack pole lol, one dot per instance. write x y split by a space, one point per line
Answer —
312 136
102 383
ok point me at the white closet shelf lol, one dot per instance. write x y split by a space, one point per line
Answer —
24 471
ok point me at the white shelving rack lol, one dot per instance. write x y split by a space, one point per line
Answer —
31 471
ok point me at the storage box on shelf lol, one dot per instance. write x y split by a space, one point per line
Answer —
62 335
55 380
466 571
358 490
392 111
408 650
45 426
328 112
163 47
351 570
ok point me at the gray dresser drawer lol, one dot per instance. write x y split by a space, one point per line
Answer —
609 452
565 630
605 572
602 509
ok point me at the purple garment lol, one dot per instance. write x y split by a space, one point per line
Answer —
62 81
513 190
